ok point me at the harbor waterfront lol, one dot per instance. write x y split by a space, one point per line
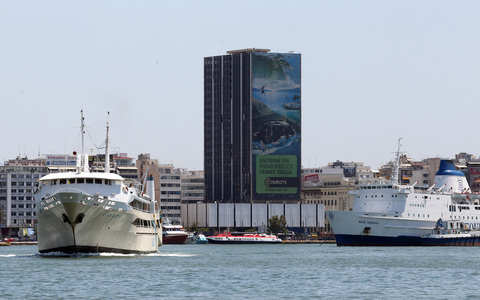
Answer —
295 271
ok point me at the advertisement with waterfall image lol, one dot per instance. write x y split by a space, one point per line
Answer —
276 112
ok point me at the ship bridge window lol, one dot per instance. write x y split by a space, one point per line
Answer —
63 181
98 181
89 180
80 180
108 182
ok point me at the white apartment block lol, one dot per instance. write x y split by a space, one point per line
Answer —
193 187
18 183
170 192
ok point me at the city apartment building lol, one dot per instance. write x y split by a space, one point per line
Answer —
125 166
18 183
170 192
192 187
331 184
173 186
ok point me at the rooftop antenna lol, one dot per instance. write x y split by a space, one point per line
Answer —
107 154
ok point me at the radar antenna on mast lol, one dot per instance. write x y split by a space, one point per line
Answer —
397 164
107 150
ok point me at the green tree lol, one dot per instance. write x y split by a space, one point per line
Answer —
277 224
2 215
193 228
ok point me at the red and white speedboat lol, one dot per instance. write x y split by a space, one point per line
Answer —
243 238
173 234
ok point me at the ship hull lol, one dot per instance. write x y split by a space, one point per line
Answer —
174 239
356 229
213 241
72 222
368 240
452 241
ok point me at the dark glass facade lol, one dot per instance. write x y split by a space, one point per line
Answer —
228 128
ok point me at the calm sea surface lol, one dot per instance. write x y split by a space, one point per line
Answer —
245 271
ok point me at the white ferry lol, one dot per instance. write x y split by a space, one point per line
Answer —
386 213
82 212
243 238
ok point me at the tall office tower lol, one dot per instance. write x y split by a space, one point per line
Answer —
252 126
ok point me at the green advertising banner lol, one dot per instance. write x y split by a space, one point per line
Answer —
276 126
276 174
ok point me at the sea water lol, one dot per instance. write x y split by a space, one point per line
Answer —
300 271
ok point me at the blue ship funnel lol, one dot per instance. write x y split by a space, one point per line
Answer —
448 179
447 168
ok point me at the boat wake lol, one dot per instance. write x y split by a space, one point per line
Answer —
173 254
106 254
19 255
82 255
8 255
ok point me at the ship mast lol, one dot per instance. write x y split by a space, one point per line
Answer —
397 164
82 160
107 150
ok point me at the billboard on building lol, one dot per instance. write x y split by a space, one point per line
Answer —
312 178
276 126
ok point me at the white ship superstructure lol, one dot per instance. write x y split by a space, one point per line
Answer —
96 212
387 213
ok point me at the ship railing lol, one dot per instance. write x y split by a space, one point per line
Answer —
369 182
141 209
140 204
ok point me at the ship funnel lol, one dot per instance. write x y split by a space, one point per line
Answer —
150 190
450 179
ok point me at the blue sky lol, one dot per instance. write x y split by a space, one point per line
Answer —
372 71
